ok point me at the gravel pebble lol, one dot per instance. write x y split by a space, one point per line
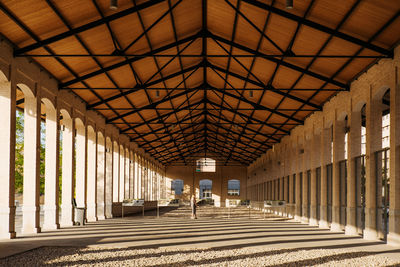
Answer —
111 256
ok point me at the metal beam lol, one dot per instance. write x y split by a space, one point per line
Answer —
152 106
259 106
143 86
87 26
265 56
320 27
158 118
284 63
128 61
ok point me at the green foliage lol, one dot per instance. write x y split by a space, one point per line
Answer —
19 154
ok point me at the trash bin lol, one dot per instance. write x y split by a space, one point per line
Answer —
79 216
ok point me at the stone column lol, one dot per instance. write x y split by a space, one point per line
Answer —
31 206
290 200
91 175
127 177
325 158
394 212
68 141
136 178
109 178
115 195
81 167
306 159
51 187
101 176
132 175
338 155
354 150
121 173
373 144
7 162
315 160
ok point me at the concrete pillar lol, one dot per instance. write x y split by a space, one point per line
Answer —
91 175
109 178
394 210
81 166
325 159
7 162
68 141
51 187
101 176
31 208
373 144
338 155
115 195
354 150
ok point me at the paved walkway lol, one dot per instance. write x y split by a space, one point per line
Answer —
134 232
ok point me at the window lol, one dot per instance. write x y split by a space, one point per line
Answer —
205 165
233 187
177 187
205 189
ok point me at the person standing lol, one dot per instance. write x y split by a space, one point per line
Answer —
193 205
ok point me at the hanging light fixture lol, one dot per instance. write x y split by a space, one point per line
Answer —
289 4
113 4
157 93
251 93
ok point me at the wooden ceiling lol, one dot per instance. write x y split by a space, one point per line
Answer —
199 77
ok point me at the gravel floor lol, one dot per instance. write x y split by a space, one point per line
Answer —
103 256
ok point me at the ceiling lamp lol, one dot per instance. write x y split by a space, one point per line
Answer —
289 4
251 94
113 4
157 93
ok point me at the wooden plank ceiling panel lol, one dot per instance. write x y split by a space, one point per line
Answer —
188 78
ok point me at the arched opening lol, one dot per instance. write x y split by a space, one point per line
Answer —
234 187
49 163
80 162
29 176
360 170
383 170
101 176
109 178
205 187
205 165
115 172
342 143
67 136
91 174
121 173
